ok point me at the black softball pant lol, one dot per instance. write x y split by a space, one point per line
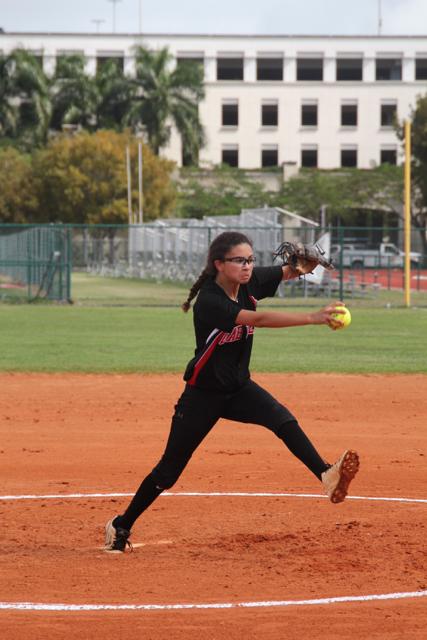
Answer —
196 412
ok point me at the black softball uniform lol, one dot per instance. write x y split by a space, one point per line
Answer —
217 377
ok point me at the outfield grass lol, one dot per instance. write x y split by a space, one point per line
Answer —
90 290
130 339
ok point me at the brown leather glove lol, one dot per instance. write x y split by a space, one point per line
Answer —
302 258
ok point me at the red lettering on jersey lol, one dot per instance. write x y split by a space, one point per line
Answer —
234 336
249 330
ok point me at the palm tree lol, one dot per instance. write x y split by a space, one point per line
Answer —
8 110
25 106
75 96
162 97
115 94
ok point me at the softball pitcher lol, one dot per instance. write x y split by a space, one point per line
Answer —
218 383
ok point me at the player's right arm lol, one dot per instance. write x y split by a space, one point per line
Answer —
281 319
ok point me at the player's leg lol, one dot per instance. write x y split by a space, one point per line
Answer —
255 405
196 412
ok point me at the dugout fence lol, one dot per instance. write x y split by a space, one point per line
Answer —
35 262
175 251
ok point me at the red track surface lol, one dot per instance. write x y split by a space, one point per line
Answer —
386 278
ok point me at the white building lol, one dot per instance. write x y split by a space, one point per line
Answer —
325 101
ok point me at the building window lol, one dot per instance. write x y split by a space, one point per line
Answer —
309 157
270 156
349 115
188 60
63 60
421 68
349 157
269 115
388 114
309 115
230 114
350 69
38 57
309 68
230 155
101 61
189 158
269 68
229 69
388 69
389 155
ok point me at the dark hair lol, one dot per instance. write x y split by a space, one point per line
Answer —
217 251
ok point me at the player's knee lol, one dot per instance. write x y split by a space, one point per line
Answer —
283 429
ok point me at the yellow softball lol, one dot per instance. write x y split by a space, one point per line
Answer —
345 317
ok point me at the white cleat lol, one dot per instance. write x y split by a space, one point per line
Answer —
337 478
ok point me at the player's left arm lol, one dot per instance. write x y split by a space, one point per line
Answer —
289 273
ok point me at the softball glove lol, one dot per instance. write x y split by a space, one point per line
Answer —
302 258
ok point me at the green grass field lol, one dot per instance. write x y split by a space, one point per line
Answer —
124 325
140 339
89 290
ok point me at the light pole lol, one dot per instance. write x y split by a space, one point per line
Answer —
114 2
98 23
380 18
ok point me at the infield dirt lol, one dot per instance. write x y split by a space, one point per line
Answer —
67 434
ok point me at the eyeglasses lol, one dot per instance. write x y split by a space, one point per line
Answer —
241 260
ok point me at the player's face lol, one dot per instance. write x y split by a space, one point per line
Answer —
238 264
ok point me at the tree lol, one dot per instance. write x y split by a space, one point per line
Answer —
418 167
25 107
8 107
82 179
162 96
17 198
224 191
344 192
75 96
115 95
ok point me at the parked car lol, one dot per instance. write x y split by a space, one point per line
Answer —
357 256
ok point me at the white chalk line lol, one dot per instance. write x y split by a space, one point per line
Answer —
137 545
215 494
36 606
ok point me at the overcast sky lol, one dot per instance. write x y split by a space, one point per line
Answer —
217 16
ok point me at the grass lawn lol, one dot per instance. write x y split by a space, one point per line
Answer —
143 339
89 290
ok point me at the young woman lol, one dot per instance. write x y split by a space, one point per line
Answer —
218 383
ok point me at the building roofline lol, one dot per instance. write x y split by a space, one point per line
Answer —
211 35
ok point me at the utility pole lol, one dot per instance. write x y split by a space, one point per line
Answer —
140 163
114 2
98 23
128 171
380 18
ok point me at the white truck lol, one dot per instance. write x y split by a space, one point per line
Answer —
385 255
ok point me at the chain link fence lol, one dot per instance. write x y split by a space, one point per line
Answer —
37 261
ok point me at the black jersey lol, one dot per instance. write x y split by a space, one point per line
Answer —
223 349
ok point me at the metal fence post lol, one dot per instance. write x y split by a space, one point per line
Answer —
341 262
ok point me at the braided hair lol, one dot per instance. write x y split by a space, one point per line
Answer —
217 251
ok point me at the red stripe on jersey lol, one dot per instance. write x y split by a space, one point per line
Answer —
253 300
204 358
